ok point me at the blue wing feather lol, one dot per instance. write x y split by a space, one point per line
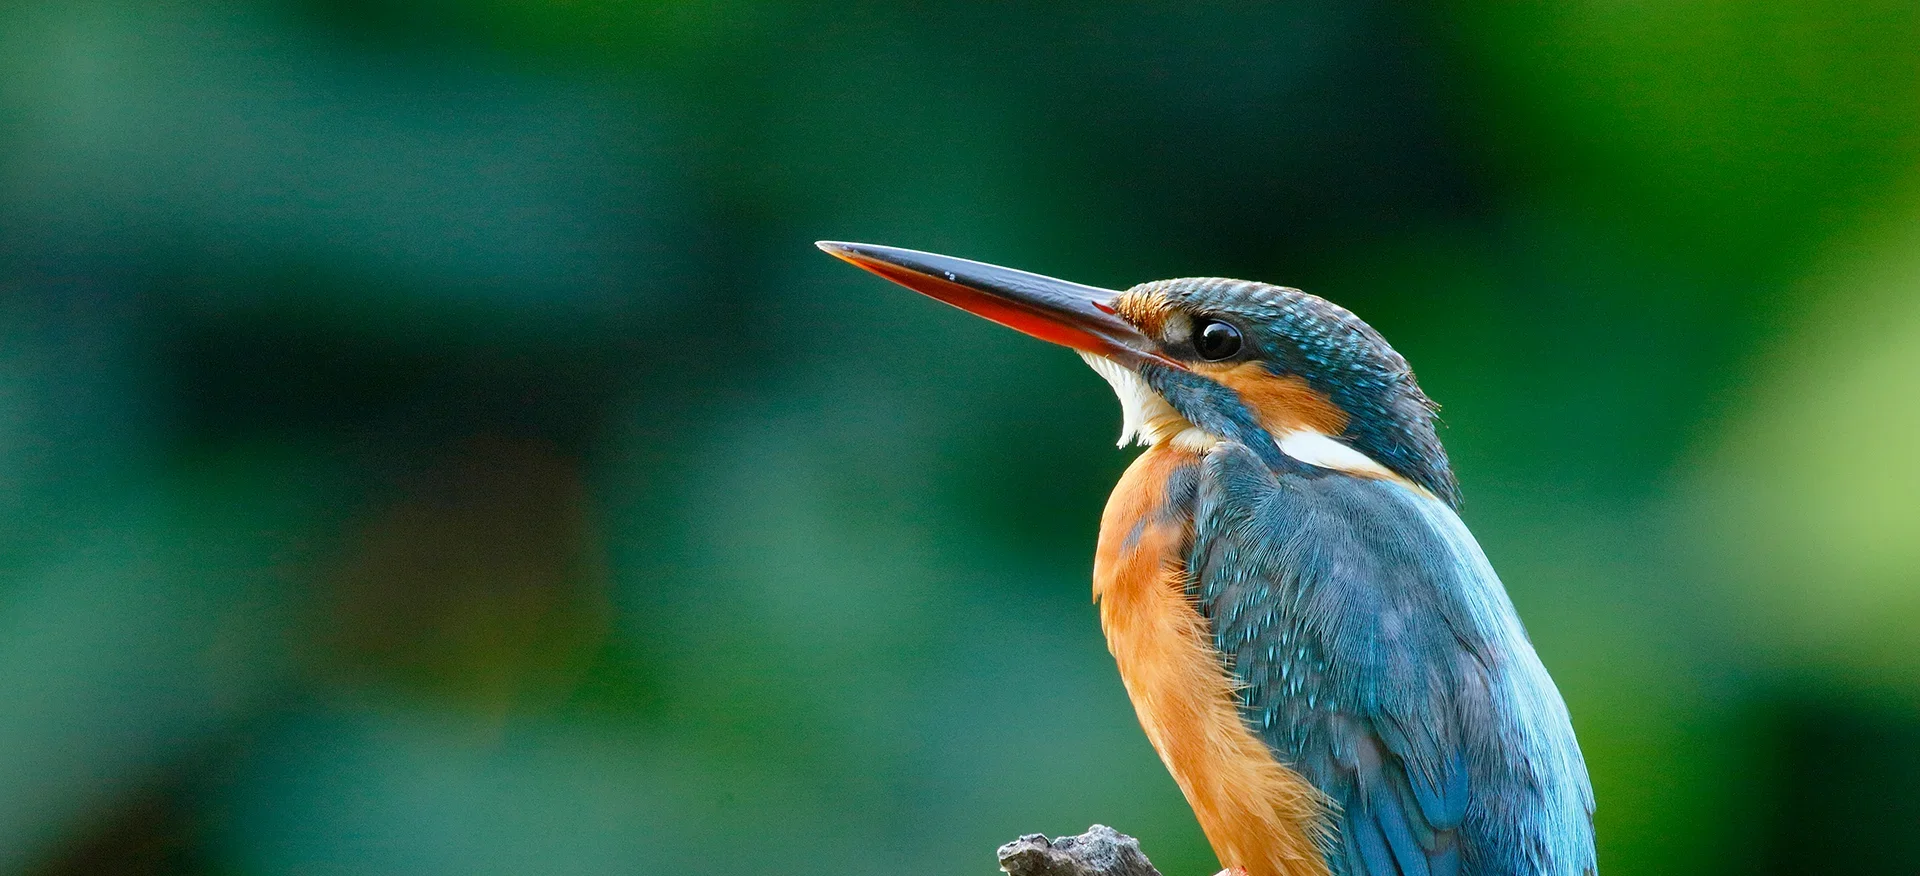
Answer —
1379 656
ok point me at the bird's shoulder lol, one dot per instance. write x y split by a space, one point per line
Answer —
1364 559
1378 653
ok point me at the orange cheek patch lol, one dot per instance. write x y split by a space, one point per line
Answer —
1282 403
1145 310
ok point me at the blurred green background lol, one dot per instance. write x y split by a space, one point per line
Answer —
430 443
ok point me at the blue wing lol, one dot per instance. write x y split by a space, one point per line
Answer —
1380 657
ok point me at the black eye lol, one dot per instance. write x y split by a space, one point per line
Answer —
1216 340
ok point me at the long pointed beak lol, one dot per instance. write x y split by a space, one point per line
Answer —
1069 314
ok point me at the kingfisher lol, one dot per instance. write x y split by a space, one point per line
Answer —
1316 646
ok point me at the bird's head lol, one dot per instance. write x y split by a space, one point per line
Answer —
1296 378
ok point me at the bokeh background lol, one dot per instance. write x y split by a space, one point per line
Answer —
429 442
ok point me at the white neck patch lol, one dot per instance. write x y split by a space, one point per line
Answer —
1147 418
1325 451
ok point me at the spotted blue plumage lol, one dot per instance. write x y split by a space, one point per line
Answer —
1293 333
1379 656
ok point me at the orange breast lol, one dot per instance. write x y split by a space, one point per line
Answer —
1259 816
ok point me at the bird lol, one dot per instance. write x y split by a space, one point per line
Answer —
1316 646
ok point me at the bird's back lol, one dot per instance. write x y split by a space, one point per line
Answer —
1377 654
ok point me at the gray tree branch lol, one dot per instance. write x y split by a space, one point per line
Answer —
1101 851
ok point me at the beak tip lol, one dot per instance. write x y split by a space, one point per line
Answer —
846 252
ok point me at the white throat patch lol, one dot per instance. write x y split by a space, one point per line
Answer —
1145 416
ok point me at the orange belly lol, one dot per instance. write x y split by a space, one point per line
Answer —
1260 816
